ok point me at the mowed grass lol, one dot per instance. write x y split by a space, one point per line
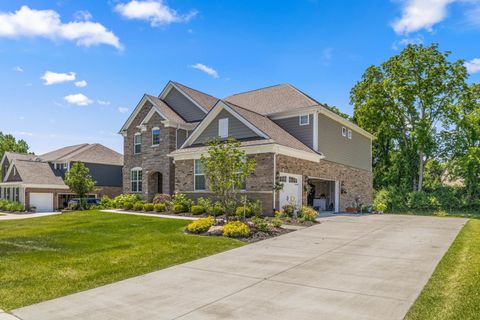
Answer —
45 258
453 292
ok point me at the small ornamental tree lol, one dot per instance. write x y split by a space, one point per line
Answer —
79 180
226 167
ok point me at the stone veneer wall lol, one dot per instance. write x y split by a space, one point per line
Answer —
354 182
259 184
151 159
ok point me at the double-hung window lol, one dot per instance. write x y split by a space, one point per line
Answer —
199 176
137 143
155 137
136 180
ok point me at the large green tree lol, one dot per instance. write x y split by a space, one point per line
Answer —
462 142
406 102
79 180
226 167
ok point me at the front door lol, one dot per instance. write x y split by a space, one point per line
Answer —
292 190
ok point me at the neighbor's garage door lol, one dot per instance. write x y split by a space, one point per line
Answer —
42 201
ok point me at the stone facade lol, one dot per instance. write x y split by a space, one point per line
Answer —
354 183
153 160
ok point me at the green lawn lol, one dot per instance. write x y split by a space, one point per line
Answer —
45 258
451 213
453 292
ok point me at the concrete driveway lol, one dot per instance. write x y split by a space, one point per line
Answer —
348 267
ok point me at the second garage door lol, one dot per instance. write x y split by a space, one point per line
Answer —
42 201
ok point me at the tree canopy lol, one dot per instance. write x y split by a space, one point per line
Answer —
79 180
8 143
408 102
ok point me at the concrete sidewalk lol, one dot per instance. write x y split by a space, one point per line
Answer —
348 267
20 216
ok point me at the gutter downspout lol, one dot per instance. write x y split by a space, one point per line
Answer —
274 181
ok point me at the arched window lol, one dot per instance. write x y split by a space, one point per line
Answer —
136 177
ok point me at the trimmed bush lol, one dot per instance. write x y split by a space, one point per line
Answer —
148 207
239 212
124 201
138 206
308 213
196 209
178 208
179 199
260 224
236 229
128 206
218 210
11 206
201 225
160 207
277 222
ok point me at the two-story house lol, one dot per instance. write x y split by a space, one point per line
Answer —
38 181
305 153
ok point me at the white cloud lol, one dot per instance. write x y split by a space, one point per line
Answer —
81 84
23 133
78 99
406 41
53 77
473 66
103 103
154 11
420 14
208 70
122 110
18 69
27 22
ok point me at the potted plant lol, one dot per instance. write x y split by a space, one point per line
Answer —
351 209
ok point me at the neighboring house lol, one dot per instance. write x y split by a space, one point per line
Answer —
318 157
38 181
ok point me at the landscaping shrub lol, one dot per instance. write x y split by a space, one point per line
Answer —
380 207
125 201
160 207
260 224
128 206
179 199
162 198
207 205
138 206
218 210
236 229
289 210
106 202
308 213
11 206
201 225
148 207
256 208
239 212
277 222
178 208
197 209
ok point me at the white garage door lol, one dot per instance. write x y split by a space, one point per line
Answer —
42 201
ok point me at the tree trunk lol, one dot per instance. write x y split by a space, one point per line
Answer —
420 170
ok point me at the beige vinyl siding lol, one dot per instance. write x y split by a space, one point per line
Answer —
303 133
235 128
355 152
183 106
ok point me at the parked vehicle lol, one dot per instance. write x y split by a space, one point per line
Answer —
88 201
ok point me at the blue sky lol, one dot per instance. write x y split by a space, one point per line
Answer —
72 71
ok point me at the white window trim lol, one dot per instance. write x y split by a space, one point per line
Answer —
300 119
137 181
195 174
135 143
223 128
159 133
349 134
344 131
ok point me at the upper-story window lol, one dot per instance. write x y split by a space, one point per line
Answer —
344 131
223 128
137 143
349 134
155 136
199 176
14 171
304 120
136 178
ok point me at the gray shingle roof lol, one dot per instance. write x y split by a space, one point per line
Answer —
279 98
205 100
37 172
91 153
20 156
